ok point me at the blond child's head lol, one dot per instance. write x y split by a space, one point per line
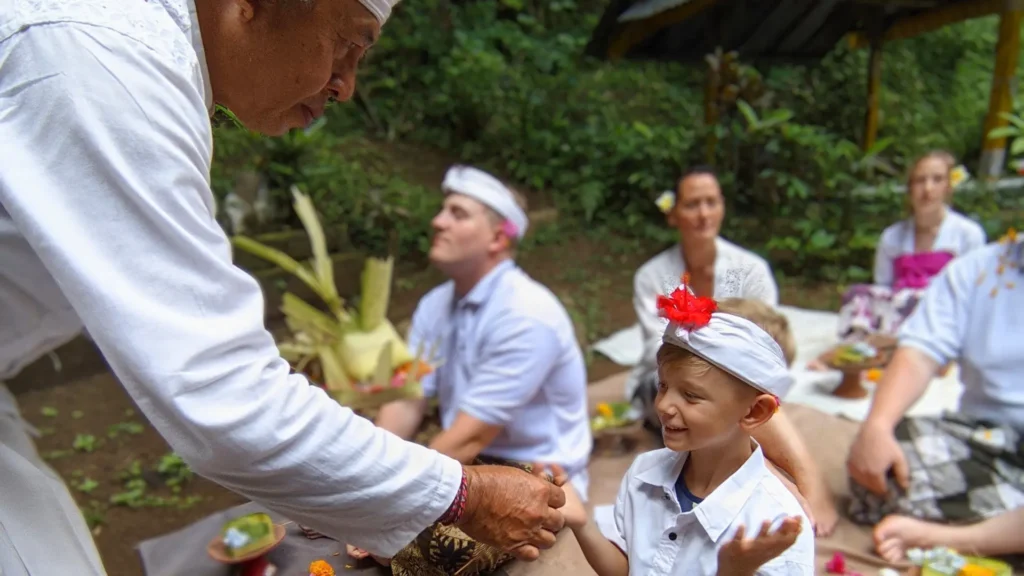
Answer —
702 403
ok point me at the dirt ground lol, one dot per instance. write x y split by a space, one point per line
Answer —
131 487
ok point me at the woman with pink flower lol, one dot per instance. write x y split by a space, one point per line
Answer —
911 252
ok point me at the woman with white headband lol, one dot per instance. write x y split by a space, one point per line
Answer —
107 222
685 509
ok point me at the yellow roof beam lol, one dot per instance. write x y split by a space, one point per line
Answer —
931 20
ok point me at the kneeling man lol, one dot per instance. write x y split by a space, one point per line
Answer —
511 381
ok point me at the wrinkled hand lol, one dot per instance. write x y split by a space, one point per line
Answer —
512 510
875 451
558 474
742 557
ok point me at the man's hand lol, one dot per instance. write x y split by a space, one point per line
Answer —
742 557
512 510
558 474
875 451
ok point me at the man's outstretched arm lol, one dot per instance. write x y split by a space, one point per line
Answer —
108 182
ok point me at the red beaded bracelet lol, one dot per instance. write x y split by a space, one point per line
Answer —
458 506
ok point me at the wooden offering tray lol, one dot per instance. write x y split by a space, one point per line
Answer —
852 359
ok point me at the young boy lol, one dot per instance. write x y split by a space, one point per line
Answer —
685 509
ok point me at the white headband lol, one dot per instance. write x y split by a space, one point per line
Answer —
731 343
380 8
488 190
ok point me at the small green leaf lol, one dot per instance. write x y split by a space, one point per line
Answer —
77 414
49 411
87 485
84 443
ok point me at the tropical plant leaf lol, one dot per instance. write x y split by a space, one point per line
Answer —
304 318
323 266
273 255
376 292
382 375
749 114
335 378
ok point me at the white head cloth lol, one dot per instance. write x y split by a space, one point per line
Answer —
380 8
739 347
489 191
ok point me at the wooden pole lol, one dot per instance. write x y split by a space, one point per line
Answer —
874 98
993 156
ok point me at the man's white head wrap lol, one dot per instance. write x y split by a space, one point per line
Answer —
380 8
733 344
490 192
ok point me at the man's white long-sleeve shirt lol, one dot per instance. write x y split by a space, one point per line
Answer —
107 220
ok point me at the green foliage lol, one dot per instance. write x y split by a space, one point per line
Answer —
503 84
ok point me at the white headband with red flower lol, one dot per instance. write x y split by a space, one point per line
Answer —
727 341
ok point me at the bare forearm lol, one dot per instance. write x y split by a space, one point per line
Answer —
463 449
604 557
402 417
783 446
905 381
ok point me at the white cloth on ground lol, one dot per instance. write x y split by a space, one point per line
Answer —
739 273
109 185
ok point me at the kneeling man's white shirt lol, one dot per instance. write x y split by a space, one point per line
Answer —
662 541
510 359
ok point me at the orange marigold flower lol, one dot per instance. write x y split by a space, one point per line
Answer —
320 568
605 410
975 570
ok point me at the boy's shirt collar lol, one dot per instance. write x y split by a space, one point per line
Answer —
719 509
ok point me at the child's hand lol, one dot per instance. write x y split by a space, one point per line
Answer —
574 511
359 554
742 556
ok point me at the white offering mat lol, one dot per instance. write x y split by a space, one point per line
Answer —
815 333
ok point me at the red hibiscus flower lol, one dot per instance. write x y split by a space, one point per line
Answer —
683 308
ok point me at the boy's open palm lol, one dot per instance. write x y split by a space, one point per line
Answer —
743 556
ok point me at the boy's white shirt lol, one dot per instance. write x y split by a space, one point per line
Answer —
647 514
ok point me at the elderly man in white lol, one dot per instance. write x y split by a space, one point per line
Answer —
512 383
107 222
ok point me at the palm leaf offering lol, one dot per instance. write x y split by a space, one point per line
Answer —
611 415
947 562
357 355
